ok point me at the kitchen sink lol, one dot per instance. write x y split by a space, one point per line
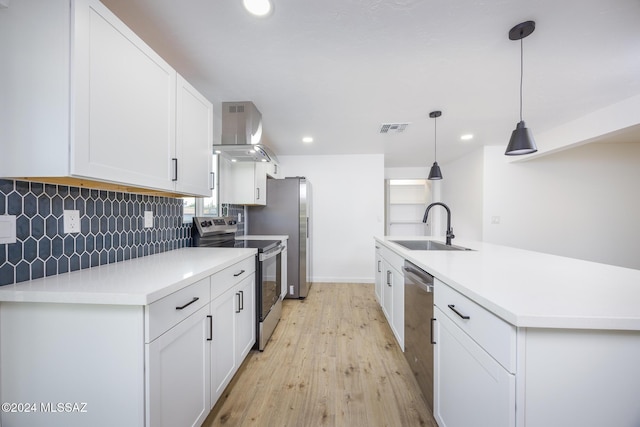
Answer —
428 245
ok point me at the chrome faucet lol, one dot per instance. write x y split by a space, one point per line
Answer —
449 229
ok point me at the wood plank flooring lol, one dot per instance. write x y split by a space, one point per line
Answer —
332 361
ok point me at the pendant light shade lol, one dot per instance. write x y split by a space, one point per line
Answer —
521 141
435 172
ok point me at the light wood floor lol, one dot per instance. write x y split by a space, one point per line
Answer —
332 361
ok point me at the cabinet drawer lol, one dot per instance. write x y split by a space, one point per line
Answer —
225 279
167 312
393 259
497 337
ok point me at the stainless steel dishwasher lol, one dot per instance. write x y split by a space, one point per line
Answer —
418 327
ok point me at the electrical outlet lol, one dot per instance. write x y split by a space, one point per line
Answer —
239 217
148 219
7 229
71 221
290 290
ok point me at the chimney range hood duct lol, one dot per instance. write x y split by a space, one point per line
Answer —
242 134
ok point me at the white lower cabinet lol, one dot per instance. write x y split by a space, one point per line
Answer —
178 387
378 274
160 365
392 291
233 331
471 388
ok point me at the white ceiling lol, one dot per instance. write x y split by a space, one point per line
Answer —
337 69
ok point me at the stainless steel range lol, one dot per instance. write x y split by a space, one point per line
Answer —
220 232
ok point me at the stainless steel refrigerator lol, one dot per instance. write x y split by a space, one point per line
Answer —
287 212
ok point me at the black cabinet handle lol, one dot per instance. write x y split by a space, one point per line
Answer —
213 180
453 308
175 169
389 277
241 300
188 304
237 274
379 262
238 295
432 340
210 328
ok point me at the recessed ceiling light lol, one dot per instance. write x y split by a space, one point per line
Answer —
466 137
307 139
258 7
218 152
234 160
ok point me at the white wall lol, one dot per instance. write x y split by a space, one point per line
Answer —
347 210
462 191
581 203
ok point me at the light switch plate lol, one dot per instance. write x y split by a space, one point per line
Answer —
148 219
7 228
71 221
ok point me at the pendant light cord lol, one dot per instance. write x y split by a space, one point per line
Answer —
435 139
521 73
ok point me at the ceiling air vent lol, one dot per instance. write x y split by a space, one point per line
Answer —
393 127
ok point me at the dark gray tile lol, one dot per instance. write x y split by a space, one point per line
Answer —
89 243
22 187
74 262
50 190
23 272
89 207
56 206
14 203
14 253
37 269
30 249
7 274
51 267
63 191
69 245
51 226
6 186
57 247
63 265
37 227
30 205
23 227
37 188
44 205
44 249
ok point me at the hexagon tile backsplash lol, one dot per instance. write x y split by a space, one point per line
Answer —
111 228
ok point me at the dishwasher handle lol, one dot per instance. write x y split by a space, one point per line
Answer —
421 278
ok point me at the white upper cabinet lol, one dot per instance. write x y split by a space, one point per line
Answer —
243 183
87 98
194 139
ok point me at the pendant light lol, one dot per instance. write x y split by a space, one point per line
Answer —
521 141
435 172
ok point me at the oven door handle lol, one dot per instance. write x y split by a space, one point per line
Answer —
271 253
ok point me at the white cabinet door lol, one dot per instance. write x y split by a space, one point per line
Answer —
223 342
471 388
387 292
397 315
125 105
194 139
243 183
379 275
178 387
245 318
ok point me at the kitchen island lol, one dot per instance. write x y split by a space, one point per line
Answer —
558 338
145 342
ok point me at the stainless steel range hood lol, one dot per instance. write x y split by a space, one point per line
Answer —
242 134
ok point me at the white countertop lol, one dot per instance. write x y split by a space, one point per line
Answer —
263 237
138 281
533 289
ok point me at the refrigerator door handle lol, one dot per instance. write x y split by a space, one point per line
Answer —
307 227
